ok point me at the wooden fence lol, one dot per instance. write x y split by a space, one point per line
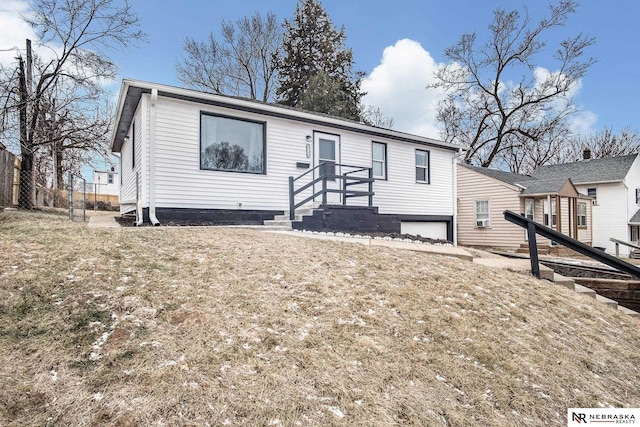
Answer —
7 178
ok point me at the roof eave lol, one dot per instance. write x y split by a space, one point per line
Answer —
129 97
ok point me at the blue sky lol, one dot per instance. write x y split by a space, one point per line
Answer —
397 44
608 95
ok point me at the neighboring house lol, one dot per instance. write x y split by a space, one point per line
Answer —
186 154
614 185
484 194
106 182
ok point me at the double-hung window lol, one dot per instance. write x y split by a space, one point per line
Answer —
379 160
554 217
231 144
529 208
592 192
582 214
422 166
482 213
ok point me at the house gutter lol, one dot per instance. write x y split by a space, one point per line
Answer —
152 158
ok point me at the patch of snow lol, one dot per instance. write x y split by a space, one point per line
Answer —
336 411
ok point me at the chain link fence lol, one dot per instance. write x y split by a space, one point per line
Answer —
77 194
41 193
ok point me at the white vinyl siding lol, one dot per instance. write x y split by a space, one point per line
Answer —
129 172
181 183
400 193
609 214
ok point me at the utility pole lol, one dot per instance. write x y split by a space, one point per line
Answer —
29 68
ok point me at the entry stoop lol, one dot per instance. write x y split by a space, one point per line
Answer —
282 222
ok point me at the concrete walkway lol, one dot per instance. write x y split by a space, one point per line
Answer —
419 247
102 221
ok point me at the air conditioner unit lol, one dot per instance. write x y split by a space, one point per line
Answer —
482 223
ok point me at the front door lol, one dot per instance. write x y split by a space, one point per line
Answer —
326 155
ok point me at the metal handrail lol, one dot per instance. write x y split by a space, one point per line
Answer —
345 177
534 228
622 242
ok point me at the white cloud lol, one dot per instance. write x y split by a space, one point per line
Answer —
398 87
13 30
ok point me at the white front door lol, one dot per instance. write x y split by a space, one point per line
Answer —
326 152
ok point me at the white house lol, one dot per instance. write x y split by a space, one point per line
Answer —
614 184
186 154
106 182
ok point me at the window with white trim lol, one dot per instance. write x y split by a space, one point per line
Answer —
379 160
582 214
422 166
545 209
591 192
482 213
529 208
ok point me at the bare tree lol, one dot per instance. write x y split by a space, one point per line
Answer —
601 144
373 116
239 63
501 103
77 34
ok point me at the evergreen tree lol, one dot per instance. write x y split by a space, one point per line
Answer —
315 68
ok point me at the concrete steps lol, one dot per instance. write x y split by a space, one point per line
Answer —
523 265
282 222
583 290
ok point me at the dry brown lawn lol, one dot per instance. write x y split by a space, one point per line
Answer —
213 326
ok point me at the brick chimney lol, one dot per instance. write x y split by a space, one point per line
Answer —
586 154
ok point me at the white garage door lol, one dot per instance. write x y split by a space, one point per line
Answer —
433 230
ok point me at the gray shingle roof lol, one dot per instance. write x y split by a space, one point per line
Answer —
587 171
543 186
635 219
507 177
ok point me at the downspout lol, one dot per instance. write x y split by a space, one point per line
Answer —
152 158
454 165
